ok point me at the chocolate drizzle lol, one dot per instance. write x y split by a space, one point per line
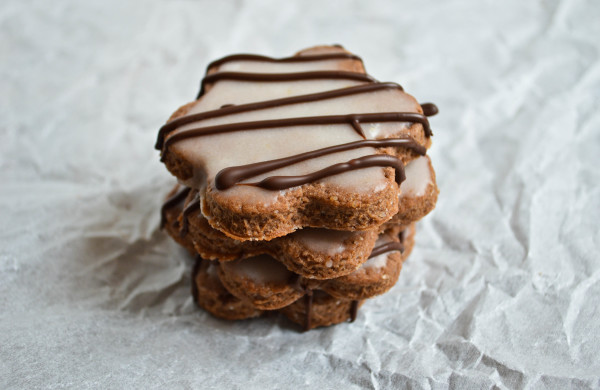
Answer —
229 109
387 247
277 77
390 246
298 283
308 300
228 177
290 76
429 109
195 271
304 58
301 121
353 310
174 200
376 160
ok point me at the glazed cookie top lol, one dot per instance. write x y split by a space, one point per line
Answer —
263 125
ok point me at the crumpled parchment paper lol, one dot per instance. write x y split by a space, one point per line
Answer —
502 288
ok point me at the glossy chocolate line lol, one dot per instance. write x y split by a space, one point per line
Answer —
429 109
195 271
174 200
300 121
308 300
275 183
388 247
353 310
191 207
228 177
277 77
304 58
234 109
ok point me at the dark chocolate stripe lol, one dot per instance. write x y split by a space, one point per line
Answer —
353 310
191 207
301 121
231 109
429 109
308 301
388 247
174 200
228 177
302 58
278 77
195 271
275 183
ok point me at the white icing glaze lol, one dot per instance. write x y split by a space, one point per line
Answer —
379 261
376 262
418 177
210 154
281 67
326 241
260 269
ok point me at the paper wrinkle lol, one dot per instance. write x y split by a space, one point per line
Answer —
502 287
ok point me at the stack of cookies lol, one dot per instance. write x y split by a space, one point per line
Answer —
300 180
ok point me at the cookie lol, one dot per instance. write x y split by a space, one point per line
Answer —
209 294
261 280
419 192
235 145
377 275
310 252
244 288
321 309
303 177
268 285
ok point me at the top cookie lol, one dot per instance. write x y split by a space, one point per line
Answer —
274 145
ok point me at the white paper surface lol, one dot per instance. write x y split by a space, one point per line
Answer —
502 288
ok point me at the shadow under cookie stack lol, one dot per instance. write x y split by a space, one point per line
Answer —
300 180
